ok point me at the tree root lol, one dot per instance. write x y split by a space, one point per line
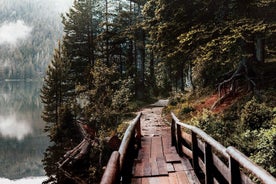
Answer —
228 87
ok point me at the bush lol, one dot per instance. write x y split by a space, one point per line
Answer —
255 115
265 154
124 95
213 125
176 98
187 110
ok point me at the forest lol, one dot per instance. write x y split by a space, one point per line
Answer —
29 31
214 60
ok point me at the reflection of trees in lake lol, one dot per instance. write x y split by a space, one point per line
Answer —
22 158
20 100
19 96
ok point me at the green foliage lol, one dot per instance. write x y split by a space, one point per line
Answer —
176 98
104 50
249 127
123 95
212 124
265 153
255 115
186 110
54 91
99 109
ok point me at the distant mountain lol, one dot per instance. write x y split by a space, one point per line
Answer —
29 31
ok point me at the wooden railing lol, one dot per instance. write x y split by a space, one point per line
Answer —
212 161
119 164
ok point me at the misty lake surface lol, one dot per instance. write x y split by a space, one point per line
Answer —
22 140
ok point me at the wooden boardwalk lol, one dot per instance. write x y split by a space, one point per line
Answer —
157 161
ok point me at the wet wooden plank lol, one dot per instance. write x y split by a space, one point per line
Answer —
166 143
162 166
145 181
164 180
138 169
178 167
188 169
170 167
173 178
136 181
182 178
156 147
144 151
172 157
154 167
147 168
156 180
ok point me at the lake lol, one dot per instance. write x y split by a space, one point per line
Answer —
22 140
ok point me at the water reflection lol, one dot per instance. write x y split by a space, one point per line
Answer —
11 127
22 140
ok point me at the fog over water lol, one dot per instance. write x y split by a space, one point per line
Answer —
11 127
22 139
11 32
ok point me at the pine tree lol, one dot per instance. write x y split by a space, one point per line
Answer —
79 40
54 96
54 92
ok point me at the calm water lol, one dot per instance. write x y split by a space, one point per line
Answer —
22 141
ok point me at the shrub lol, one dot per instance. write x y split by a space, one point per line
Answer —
213 125
176 98
265 154
255 115
187 110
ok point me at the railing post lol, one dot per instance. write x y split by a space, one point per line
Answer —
138 132
173 132
208 158
234 171
195 150
179 137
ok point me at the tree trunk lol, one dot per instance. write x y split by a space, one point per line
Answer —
140 45
260 49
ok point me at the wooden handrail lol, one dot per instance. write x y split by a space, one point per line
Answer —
218 163
247 164
114 170
221 149
128 136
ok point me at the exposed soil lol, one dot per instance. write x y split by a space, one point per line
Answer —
208 102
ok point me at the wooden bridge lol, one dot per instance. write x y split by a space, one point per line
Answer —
155 152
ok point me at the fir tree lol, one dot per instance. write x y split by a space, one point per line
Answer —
79 40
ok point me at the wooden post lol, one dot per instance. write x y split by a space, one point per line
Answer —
179 138
234 171
195 150
208 159
138 132
173 132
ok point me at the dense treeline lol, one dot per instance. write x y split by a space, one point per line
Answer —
27 58
117 52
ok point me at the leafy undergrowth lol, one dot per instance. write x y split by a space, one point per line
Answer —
245 120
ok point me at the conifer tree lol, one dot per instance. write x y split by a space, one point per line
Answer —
79 39
54 92
55 95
